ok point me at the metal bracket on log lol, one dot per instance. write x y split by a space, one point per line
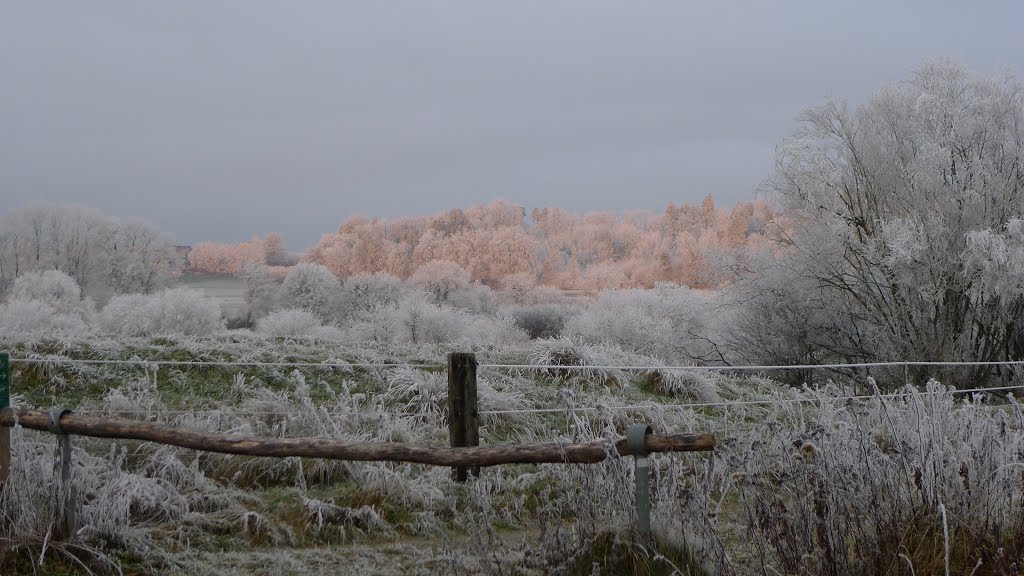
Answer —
636 446
69 500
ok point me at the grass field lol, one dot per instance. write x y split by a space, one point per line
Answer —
800 482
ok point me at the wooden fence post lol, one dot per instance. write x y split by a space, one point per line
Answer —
5 402
463 417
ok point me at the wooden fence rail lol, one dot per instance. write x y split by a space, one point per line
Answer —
334 449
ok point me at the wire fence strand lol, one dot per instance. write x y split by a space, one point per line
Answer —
563 410
765 368
569 367
219 363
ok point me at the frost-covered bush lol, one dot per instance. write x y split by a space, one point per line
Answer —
51 287
262 290
114 506
692 384
128 315
45 305
448 283
543 320
669 322
777 317
289 323
187 312
596 362
416 320
34 319
364 293
178 311
311 287
440 279
918 482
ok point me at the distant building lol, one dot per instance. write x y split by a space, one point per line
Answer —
182 252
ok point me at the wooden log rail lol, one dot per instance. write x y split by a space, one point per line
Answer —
330 448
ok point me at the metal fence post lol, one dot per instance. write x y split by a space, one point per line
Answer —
636 444
69 499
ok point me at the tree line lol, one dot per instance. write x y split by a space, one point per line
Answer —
499 246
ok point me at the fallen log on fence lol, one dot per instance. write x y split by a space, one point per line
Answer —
540 453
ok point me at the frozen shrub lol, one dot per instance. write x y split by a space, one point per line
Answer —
672 323
367 292
440 279
519 287
693 384
542 320
34 319
448 283
312 287
417 321
261 289
128 315
777 317
45 305
187 312
289 323
563 356
181 311
51 287
495 330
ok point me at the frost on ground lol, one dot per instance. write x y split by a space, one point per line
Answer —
802 483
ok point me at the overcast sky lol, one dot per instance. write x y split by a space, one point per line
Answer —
220 120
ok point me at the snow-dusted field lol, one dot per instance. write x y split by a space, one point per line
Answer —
228 290
801 481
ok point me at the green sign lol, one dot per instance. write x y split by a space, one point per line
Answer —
5 380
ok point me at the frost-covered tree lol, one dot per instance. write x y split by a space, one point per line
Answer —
440 279
215 258
142 258
903 202
274 253
104 255
262 290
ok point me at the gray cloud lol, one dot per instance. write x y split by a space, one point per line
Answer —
218 120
